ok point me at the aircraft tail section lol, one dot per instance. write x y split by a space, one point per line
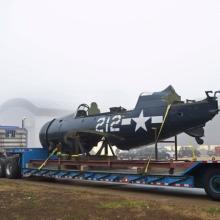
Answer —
165 97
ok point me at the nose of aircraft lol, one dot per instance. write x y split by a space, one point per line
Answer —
43 134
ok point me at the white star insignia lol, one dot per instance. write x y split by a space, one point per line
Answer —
140 121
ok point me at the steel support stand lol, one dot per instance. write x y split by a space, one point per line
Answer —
156 145
176 150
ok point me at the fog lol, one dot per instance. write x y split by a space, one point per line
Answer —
68 52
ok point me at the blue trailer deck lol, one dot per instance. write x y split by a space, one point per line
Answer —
198 174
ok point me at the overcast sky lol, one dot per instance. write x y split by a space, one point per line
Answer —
68 52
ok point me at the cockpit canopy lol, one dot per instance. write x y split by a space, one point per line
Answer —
84 110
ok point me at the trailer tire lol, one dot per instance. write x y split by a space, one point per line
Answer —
2 167
212 183
12 168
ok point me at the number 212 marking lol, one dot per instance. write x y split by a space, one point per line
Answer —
112 127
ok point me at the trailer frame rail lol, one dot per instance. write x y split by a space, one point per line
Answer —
159 180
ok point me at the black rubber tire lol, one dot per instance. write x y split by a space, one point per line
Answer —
2 167
212 183
12 168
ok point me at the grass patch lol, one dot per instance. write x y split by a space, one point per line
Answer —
123 204
213 211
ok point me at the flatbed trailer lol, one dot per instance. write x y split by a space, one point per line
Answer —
30 162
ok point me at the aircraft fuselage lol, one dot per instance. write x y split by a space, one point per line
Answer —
131 129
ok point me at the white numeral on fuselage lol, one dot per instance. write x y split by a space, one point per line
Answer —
111 124
115 122
99 126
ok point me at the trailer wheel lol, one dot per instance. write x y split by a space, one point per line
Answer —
2 168
212 183
12 168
